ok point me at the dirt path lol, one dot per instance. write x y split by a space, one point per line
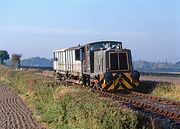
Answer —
14 114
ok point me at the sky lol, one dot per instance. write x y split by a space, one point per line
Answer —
150 28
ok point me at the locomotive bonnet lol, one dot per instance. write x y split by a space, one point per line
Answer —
104 65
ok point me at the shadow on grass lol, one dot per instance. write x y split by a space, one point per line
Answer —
147 87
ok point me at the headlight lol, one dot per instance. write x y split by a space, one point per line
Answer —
135 75
108 77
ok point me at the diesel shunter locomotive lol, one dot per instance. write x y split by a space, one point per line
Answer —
104 65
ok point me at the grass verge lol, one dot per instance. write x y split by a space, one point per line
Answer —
67 107
171 91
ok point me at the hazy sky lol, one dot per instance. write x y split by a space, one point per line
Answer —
150 28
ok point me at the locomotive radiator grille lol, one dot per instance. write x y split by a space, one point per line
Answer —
118 83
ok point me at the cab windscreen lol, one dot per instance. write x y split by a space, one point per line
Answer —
118 61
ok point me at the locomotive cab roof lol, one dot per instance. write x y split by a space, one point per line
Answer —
104 45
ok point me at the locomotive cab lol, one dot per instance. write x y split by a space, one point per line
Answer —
108 66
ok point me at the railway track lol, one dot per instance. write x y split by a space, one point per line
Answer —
167 108
161 74
150 105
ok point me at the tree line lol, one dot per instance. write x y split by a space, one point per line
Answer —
15 58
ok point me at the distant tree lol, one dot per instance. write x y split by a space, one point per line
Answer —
16 60
37 62
3 56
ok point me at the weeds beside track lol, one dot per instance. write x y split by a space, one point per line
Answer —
75 107
59 107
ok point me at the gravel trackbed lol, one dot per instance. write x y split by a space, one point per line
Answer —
14 114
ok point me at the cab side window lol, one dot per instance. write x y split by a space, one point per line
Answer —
77 54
